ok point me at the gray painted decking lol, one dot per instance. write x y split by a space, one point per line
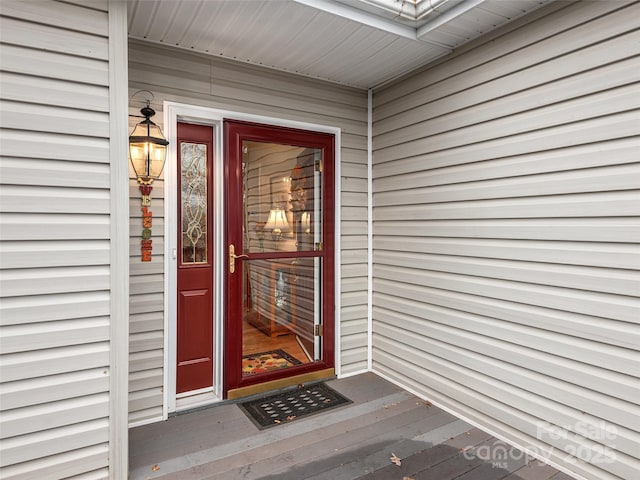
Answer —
355 441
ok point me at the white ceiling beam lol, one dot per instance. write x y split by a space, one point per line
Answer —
425 7
360 16
446 17
372 20
403 9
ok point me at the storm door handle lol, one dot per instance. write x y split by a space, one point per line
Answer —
232 258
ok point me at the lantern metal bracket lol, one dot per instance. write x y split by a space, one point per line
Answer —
147 101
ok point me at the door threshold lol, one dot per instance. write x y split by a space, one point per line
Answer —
202 399
274 385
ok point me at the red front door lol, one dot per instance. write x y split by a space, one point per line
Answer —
195 258
279 246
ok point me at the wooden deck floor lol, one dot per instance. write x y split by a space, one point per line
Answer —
355 441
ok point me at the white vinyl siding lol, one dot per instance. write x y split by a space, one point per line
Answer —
184 77
146 287
506 202
55 240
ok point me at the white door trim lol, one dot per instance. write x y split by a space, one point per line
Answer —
174 112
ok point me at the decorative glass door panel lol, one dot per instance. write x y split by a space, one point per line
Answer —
194 202
280 256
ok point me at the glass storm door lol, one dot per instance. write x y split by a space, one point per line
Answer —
195 259
280 300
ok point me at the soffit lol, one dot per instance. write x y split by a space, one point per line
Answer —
352 42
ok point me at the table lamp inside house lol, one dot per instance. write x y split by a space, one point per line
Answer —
277 223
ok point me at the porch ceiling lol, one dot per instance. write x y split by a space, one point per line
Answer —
353 42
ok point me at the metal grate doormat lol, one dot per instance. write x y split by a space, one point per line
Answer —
291 405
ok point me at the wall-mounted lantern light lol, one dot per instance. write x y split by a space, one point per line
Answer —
147 152
147 148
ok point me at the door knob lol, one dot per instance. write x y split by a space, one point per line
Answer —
232 258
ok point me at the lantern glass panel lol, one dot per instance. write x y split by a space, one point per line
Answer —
140 130
138 154
157 156
154 131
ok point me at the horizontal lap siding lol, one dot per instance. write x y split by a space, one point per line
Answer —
146 317
353 259
506 234
181 76
54 241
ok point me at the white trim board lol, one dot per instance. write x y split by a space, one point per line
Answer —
119 226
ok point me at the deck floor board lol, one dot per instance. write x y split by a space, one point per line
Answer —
354 441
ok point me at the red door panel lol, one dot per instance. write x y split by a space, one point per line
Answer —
195 362
195 258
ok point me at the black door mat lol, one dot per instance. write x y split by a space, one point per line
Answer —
291 405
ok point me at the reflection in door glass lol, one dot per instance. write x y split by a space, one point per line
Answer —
306 282
193 183
282 212
282 194
281 305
